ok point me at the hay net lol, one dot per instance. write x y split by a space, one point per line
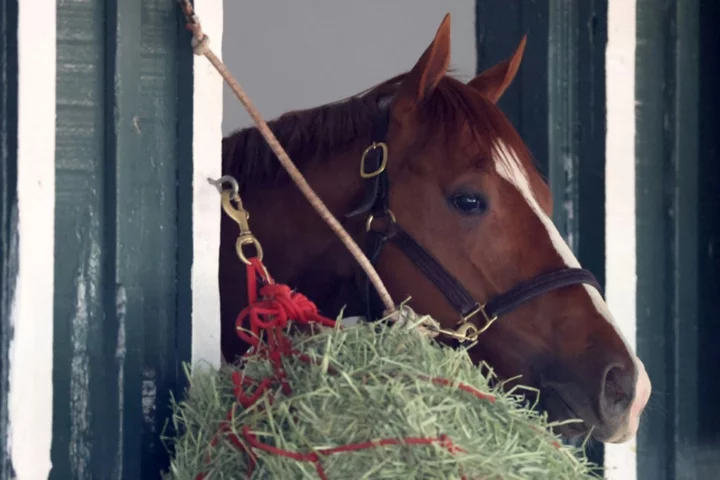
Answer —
372 401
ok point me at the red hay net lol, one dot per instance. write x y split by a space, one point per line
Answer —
270 308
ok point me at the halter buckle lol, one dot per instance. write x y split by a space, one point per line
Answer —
383 160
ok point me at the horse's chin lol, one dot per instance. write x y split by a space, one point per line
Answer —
571 425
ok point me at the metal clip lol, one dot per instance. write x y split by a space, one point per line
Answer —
239 215
468 331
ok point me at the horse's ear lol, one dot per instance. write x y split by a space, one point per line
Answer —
493 82
428 71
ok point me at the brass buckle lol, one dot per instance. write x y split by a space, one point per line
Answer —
382 146
467 331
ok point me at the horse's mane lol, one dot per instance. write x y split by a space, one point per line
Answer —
320 132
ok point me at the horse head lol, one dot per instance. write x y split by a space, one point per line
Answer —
432 178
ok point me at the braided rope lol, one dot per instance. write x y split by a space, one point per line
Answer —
201 47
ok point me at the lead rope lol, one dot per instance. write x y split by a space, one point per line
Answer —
201 47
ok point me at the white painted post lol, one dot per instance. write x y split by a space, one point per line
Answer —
207 136
620 460
30 396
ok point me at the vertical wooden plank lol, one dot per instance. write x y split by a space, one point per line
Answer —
563 125
124 227
620 461
84 279
655 459
30 349
8 210
206 114
500 26
669 221
576 122
124 181
685 213
158 117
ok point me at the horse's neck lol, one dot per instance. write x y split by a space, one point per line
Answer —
300 249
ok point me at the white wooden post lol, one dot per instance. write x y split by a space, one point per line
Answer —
621 266
30 395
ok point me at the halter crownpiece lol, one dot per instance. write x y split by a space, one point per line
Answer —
376 204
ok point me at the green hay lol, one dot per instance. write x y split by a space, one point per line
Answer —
377 391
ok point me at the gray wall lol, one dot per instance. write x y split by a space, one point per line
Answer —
291 54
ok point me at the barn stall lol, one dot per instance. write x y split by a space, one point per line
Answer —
109 231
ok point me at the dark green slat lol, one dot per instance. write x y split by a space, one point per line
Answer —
123 254
678 228
158 116
576 123
655 85
668 224
125 200
184 159
79 375
653 228
500 26
685 217
8 206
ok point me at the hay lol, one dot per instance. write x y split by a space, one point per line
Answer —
366 383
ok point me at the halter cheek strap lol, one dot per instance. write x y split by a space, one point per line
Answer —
375 204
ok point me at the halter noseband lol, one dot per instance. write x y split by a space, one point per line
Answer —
376 204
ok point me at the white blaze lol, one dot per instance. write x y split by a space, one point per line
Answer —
508 166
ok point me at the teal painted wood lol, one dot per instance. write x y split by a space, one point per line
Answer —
500 26
121 172
576 124
678 195
657 230
8 207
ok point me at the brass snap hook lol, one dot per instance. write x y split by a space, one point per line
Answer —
239 215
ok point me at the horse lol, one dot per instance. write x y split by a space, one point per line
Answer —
429 175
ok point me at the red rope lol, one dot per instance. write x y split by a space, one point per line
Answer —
277 305
314 457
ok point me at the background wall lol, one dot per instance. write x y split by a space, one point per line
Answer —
289 55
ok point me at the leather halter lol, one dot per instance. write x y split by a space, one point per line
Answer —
376 204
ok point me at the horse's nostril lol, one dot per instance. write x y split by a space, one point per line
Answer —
618 391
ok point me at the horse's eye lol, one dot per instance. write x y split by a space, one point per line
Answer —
469 204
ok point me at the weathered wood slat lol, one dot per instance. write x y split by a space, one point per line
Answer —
500 26
677 230
117 309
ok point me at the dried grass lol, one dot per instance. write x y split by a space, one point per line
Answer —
370 382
